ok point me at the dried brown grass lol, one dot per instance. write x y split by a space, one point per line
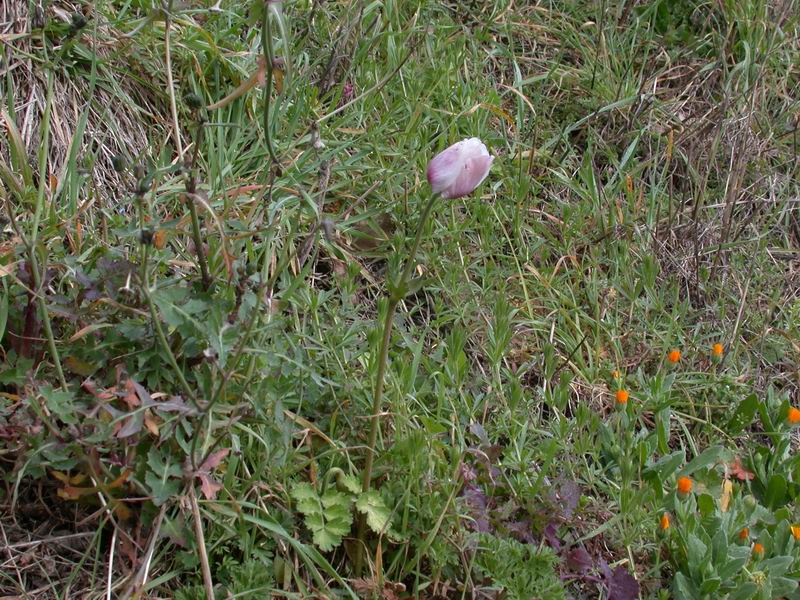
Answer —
123 112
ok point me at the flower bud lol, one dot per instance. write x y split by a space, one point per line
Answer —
459 169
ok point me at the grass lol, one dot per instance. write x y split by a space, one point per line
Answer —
209 437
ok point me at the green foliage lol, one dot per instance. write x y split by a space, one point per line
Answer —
378 515
163 476
641 199
519 569
328 516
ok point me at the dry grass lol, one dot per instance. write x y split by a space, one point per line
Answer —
124 115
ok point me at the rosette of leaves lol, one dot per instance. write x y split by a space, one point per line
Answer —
329 514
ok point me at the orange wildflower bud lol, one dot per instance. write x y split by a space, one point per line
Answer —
615 374
744 534
717 350
684 485
622 397
674 356
664 523
796 532
758 549
794 415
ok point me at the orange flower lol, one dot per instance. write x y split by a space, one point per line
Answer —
664 523
796 532
758 549
744 534
684 485
674 356
622 397
717 350
794 415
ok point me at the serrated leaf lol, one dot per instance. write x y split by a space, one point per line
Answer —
378 514
162 477
328 517
60 403
350 483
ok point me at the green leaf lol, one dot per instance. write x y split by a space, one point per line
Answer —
778 565
378 514
783 586
705 504
733 566
719 546
662 428
16 150
350 483
3 310
744 591
664 468
60 403
776 491
695 550
328 517
743 415
705 459
163 476
711 585
684 589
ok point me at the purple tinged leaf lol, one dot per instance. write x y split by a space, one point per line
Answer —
474 497
620 584
568 495
521 530
551 536
468 474
482 525
175 404
132 426
143 394
579 560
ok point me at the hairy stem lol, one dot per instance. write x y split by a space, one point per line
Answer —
396 295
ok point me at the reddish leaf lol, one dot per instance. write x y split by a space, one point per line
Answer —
209 486
738 471
90 386
213 460
131 399
151 423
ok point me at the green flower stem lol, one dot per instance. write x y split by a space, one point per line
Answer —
162 339
266 47
397 292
